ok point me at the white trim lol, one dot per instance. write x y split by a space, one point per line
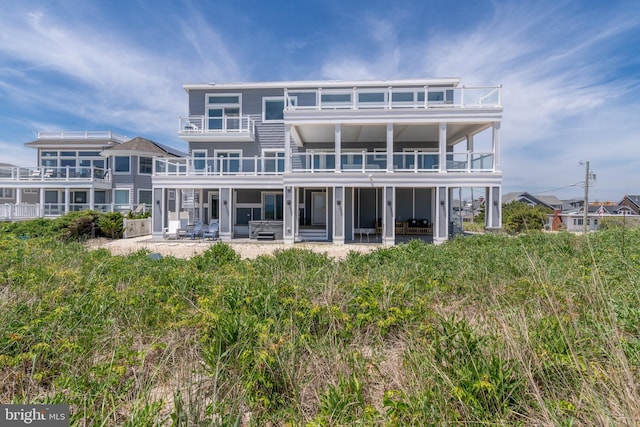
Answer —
447 81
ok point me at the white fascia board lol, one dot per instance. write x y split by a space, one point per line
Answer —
453 115
216 181
314 84
398 179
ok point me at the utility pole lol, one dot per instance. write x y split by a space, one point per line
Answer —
585 219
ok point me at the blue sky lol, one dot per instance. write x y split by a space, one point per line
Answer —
570 70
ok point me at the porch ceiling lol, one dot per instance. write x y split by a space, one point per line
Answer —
323 133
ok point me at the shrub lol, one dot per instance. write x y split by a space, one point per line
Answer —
111 224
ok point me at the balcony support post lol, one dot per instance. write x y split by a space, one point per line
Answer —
338 148
442 147
389 147
497 166
67 196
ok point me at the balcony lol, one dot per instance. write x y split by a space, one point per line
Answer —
219 166
325 162
226 128
86 135
50 174
393 98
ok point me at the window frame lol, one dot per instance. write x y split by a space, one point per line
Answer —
266 99
115 199
208 106
150 165
115 165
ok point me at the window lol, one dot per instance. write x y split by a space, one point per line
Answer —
272 206
273 108
145 165
145 197
273 161
229 160
372 99
336 99
6 193
122 164
223 112
121 196
199 162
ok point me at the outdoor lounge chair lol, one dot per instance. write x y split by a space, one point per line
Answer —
211 232
195 232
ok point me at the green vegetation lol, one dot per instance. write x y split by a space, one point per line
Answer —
74 226
487 330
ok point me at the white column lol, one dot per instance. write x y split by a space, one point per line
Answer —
92 192
338 147
389 147
442 146
470 143
67 194
287 148
18 196
497 162
41 201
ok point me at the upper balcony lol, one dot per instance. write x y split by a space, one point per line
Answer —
218 128
83 135
54 174
402 104
325 162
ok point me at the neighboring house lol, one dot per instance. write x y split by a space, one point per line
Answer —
551 202
132 167
573 220
73 173
331 160
631 202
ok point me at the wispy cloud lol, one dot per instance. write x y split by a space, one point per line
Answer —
102 76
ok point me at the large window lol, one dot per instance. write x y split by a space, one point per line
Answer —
121 196
223 112
6 193
272 206
145 197
229 160
145 165
122 164
273 108
273 161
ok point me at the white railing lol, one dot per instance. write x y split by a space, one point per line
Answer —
12 212
323 161
393 98
204 166
195 125
416 161
470 162
83 135
65 173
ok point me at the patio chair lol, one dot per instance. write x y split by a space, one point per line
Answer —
211 232
195 232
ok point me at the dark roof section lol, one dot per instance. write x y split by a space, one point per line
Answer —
551 202
634 199
144 146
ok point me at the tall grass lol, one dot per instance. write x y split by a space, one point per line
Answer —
487 330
